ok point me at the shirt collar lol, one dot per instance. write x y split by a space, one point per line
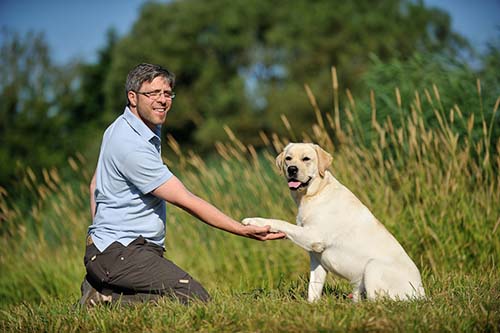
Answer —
140 127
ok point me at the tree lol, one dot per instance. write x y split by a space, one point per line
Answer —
88 117
24 90
244 63
34 129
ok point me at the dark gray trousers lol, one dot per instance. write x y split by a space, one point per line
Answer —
139 272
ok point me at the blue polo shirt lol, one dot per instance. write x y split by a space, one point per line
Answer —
129 168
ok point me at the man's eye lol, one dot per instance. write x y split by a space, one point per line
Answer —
305 159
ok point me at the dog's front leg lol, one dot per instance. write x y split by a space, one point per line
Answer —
317 278
304 237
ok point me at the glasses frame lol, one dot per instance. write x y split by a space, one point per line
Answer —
168 94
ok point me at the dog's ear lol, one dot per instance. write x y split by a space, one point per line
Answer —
280 160
324 160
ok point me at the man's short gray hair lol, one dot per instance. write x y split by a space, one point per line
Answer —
147 73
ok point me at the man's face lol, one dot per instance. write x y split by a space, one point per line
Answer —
151 111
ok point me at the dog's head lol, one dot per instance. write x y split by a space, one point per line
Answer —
301 163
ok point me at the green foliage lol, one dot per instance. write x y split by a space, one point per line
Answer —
48 113
398 83
31 89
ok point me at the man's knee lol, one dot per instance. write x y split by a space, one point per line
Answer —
187 290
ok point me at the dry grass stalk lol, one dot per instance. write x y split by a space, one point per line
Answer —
314 103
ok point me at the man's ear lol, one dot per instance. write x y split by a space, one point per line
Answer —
324 160
132 98
280 160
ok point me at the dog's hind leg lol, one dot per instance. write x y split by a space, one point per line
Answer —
383 280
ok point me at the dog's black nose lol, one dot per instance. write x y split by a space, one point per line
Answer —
292 171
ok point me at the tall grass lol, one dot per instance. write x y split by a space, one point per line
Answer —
433 184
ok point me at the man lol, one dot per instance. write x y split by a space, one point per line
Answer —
124 255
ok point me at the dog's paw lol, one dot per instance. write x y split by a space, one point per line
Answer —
253 221
259 222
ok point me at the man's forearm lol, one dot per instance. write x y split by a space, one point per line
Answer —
211 215
174 192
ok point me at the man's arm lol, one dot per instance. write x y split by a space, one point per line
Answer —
176 193
92 197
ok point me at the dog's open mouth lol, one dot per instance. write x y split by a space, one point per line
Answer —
294 184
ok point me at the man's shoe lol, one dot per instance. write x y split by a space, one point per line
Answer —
91 297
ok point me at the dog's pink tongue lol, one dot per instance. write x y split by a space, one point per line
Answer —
293 184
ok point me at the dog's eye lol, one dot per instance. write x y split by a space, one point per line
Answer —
288 158
305 159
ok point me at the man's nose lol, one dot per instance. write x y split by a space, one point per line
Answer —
162 99
292 171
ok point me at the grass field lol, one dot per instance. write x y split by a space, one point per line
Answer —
434 185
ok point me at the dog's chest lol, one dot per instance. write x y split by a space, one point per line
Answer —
299 220
308 216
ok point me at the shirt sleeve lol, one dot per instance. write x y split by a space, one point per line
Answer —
145 169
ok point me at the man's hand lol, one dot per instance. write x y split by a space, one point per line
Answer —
261 233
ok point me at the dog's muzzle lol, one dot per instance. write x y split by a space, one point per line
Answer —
294 184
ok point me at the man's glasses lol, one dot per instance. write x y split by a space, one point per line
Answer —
155 94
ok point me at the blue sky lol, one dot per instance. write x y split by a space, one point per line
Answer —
77 29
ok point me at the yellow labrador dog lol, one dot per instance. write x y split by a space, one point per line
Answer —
341 235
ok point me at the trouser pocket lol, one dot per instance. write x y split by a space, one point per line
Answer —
99 265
